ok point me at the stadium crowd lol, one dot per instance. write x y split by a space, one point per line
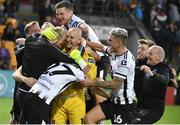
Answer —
61 66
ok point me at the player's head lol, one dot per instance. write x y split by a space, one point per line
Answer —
64 12
32 27
46 25
155 55
73 38
118 37
143 46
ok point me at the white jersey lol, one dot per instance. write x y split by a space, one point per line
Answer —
76 21
55 80
123 66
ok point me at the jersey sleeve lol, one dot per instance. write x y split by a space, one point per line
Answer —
89 59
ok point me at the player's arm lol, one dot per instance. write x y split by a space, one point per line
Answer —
82 47
173 80
101 92
99 47
84 30
115 83
96 56
160 75
18 76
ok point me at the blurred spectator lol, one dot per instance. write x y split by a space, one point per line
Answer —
4 57
45 11
161 17
2 16
153 13
174 13
147 13
156 32
139 11
177 40
10 32
160 3
169 45
21 27
11 7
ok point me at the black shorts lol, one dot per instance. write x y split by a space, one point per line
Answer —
15 111
35 110
20 93
119 114
148 116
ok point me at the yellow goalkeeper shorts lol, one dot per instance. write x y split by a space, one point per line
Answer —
68 107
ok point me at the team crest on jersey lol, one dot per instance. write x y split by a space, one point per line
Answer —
91 60
124 62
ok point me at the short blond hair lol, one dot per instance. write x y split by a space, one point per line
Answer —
61 32
120 33
146 42
28 26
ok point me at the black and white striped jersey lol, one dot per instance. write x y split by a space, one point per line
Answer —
76 21
123 66
55 80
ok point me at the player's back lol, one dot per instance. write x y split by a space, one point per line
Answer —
39 54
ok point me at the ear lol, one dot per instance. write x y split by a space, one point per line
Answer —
71 13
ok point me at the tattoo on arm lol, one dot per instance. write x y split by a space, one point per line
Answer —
113 84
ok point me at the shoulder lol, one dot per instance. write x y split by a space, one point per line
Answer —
75 21
127 58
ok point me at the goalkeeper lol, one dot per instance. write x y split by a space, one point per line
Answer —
70 105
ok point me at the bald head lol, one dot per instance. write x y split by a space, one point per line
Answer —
156 55
74 36
76 31
159 51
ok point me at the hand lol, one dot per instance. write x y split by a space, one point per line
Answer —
87 82
146 69
30 81
50 33
83 42
76 55
20 41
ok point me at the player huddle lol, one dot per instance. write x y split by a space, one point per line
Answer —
59 81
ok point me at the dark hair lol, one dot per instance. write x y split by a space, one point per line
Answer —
65 4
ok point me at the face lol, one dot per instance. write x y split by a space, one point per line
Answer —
142 51
114 42
73 39
153 57
63 15
34 29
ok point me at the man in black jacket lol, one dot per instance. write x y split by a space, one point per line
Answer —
21 90
143 46
155 81
39 54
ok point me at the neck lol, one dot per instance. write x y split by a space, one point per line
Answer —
121 50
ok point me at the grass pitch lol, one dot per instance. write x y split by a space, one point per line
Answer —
171 114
